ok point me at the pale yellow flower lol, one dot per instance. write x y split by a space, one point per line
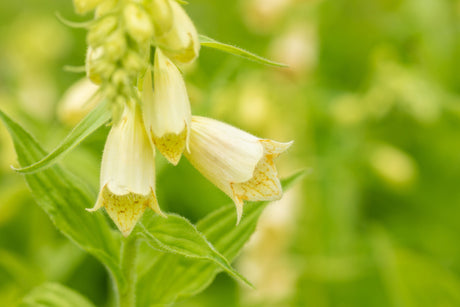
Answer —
127 172
238 163
166 110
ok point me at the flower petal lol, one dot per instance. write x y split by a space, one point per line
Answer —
128 163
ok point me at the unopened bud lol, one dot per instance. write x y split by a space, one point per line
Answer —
115 46
91 57
120 78
162 16
101 30
98 67
138 22
83 6
109 91
106 7
132 61
117 106
181 43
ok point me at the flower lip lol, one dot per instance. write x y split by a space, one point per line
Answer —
126 209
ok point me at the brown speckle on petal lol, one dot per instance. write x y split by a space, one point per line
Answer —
263 186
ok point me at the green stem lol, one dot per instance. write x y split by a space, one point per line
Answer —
127 295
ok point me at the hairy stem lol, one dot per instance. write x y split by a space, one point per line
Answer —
127 295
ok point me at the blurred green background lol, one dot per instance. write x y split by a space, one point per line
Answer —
372 100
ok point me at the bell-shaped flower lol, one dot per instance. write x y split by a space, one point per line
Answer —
166 109
179 40
238 163
127 172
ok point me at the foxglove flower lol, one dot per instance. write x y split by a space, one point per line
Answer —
178 39
127 172
238 163
166 110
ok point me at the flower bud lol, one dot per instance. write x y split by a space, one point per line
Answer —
127 172
167 112
106 7
132 61
115 45
98 67
181 43
162 16
120 78
91 72
137 22
83 6
98 34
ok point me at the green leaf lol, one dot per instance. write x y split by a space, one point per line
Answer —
55 295
64 198
212 43
95 119
177 235
172 276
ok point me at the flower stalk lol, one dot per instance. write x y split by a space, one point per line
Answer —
130 248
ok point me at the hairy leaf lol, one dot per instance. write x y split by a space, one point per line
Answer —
55 295
177 235
212 43
95 119
64 198
172 276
